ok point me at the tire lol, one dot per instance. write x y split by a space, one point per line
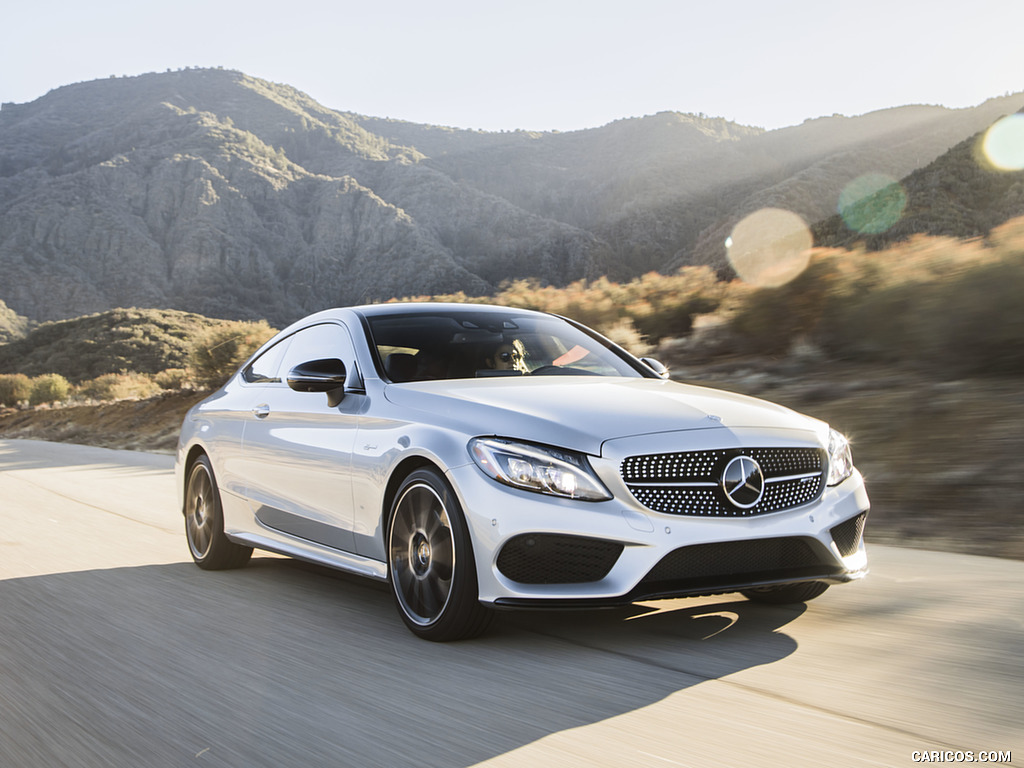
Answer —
787 594
430 561
204 522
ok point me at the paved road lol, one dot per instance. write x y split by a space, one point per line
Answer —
116 651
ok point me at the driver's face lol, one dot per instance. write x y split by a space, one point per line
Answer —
506 358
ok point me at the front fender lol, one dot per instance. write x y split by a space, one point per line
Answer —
381 457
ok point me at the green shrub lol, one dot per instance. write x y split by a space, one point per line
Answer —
14 388
173 378
118 386
49 388
218 352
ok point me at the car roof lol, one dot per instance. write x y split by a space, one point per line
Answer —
406 308
419 307
367 311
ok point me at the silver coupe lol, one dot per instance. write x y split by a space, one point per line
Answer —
480 457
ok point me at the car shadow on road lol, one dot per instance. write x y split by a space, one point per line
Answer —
282 663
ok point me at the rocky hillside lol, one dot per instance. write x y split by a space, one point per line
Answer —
12 325
214 192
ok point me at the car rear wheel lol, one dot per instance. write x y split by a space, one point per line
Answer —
430 561
204 522
786 594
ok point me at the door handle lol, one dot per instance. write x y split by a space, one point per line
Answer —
261 411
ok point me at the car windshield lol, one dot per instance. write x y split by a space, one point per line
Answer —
461 344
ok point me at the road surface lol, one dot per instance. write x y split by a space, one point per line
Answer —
116 651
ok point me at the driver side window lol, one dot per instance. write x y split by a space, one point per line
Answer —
265 368
318 342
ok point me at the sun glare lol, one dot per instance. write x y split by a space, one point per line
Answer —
872 203
1003 144
769 247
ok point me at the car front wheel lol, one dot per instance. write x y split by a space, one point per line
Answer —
204 522
430 561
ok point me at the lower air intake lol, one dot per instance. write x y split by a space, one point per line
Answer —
721 565
544 558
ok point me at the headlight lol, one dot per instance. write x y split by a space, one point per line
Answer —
538 468
840 459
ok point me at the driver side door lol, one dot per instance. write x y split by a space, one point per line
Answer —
297 447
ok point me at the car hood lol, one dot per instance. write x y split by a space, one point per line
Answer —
583 413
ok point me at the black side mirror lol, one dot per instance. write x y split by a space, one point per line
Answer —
327 375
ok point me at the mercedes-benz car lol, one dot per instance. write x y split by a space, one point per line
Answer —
480 457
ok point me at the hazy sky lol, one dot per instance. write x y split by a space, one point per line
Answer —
542 64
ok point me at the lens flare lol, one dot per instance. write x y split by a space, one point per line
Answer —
1003 144
872 203
769 247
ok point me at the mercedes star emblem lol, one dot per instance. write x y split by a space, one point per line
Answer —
743 482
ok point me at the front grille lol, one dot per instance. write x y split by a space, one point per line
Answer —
847 535
689 483
544 558
724 564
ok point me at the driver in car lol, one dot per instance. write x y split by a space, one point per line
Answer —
509 356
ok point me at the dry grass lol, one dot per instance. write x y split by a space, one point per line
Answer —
943 460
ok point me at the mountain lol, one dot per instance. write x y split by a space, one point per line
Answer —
666 190
218 193
214 192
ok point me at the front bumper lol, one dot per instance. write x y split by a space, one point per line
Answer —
539 551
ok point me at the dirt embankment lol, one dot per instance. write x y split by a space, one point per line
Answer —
944 461
138 425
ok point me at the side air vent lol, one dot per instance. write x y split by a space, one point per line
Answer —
847 535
